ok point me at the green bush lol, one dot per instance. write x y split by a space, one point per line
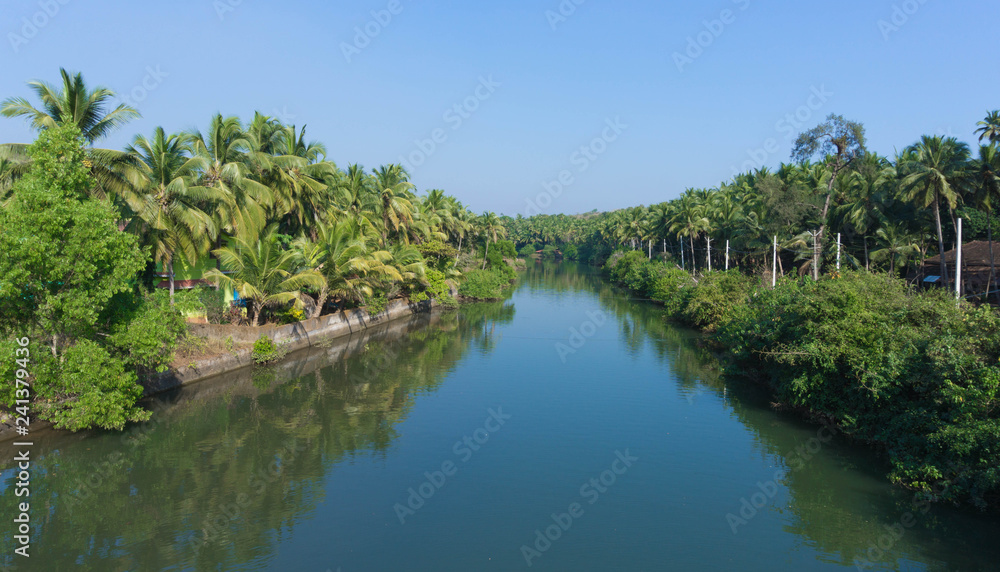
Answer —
266 351
909 371
505 248
671 288
716 297
484 284
147 338
437 288
527 251
571 252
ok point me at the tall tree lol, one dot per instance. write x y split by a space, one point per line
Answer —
934 178
839 142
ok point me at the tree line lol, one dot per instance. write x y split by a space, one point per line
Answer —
890 213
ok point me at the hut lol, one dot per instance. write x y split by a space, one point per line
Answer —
975 268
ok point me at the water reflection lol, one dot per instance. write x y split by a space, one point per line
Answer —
227 467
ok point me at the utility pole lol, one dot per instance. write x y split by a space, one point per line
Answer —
683 266
958 264
838 252
815 236
727 255
774 265
709 240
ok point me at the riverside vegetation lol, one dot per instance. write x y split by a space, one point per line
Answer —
86 233
914 373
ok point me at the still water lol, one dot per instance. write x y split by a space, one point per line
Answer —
568 428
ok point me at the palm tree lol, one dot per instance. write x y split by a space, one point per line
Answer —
168 208
689 221
262 273
342 257
987 173
75 104
937 174
989 128
393 188
222 163
490 227
898 245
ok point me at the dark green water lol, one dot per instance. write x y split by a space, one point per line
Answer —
319 464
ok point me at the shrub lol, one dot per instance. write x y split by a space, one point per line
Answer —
715 297
911 372
671 288
146 340
266 351
527 251
376 303
484 284
437 289
505 248
571 252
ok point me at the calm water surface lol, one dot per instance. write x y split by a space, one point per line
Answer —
568 426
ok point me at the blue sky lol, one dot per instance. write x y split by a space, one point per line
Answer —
532 89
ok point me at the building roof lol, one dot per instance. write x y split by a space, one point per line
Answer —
973 254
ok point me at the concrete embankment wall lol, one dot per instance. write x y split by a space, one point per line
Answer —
293 337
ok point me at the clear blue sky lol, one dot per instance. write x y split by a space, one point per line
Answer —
937 73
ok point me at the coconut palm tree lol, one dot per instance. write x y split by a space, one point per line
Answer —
987 192
393 189
989 128
262 273
689 221
490 228
169 209
223 164
342 256
935 177
898 245
73 103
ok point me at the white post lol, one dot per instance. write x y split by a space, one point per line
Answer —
651 249
838 252
727 255
958 264
774 265
683 266
709 240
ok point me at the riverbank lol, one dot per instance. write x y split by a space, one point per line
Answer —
295 337
911 373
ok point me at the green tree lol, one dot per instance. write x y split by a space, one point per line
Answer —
62 260
263 273
935 177
840 142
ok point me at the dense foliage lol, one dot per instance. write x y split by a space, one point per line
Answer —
912 372
85 234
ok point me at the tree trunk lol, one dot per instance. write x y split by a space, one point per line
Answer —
321 301
651 249
170 273
253 306
487 254
867 263
459 248
993 271
940 233
694 265
818 255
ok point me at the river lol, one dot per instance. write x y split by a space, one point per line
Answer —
568 428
